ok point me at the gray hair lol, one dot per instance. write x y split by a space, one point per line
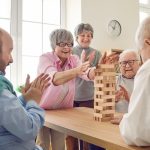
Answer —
83 27
60 35
142 33
129 51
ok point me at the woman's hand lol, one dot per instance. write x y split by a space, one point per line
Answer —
110 59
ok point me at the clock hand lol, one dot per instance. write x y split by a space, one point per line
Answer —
114 26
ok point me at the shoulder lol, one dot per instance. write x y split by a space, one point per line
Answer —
47 57
144 69
76 50
5 84
96 51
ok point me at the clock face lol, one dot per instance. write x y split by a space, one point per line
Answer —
114 28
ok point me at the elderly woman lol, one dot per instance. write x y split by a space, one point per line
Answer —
63 68
84 34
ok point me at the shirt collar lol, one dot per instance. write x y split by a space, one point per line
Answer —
2 73
58 61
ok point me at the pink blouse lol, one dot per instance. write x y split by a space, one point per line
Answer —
61 96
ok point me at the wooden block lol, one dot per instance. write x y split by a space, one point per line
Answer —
106 66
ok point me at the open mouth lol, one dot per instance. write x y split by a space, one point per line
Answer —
65 52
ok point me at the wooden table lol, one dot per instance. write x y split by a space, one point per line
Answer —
79 122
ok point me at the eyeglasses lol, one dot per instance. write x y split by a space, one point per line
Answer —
64 44
129 62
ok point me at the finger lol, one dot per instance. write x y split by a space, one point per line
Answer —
37 80
83 54
126 95
45 86
41 81
27 83
122 88
103 59
115 121
112 54
92 56
45 83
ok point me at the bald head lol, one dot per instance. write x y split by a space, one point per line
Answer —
6 46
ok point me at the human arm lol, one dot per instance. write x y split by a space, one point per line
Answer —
67 75
21 122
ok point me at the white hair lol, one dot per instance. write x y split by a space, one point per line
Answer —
142 33
129 51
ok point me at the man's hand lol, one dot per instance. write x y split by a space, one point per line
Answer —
117 120
26 86
122 93
34 90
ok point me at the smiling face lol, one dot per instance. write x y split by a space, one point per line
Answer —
63 50
129 64
5 51
84 39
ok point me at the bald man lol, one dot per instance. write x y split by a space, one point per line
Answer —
21 117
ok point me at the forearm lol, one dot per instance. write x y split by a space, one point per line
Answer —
64 76
30 118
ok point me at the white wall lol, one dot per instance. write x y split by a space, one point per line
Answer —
73 14
98 13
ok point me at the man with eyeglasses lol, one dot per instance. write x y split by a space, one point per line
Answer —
129 65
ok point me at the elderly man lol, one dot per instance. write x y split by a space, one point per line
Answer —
21 118
129 65
134 126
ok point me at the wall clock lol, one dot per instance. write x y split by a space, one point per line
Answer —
114 28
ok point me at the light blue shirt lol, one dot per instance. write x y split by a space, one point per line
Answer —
19 122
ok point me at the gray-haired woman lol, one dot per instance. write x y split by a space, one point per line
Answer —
63 68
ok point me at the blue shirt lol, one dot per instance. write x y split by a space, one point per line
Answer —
19 122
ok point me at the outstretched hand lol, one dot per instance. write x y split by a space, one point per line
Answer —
109 59
83 68
34 90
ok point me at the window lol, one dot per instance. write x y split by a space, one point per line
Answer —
144 9
30 23
5 7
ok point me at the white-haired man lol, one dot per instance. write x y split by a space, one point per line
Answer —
129 65
134 126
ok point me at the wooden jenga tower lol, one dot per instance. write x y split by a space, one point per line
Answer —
104 93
